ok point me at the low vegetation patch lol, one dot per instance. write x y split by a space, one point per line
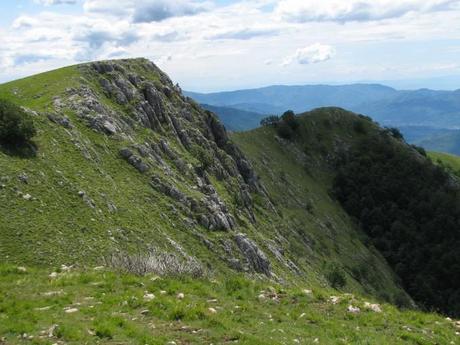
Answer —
16 126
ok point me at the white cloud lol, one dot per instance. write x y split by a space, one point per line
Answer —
209 42
312 54
146 11
118 8
357 10
159 10
55 2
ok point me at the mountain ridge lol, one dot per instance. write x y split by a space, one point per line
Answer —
134 147
129 173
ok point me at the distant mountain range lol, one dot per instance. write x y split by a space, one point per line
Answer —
426 117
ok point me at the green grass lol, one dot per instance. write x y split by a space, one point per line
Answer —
38 91
111 309
447 160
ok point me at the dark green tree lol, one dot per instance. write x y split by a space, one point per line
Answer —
16 126
290 119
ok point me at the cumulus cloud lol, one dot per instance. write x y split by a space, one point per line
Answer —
356 10
118 8
159 10
96 38
209 39
312 54
147 11
55 2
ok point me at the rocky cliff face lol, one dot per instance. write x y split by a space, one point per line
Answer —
169 147
158 105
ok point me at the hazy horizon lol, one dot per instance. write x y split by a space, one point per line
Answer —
436 84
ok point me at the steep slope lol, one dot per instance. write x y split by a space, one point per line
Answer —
407 207
126 164
122 160
450 162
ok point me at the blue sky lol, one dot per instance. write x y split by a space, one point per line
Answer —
230 44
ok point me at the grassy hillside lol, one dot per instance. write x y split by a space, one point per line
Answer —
97 306
380 182
449 161
125 168
299 180
58 224
77 200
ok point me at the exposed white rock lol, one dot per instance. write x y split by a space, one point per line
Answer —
71 310
353 310
334 299
109 127
374 307
53 293
149 297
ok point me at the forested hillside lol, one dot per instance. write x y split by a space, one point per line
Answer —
408 207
